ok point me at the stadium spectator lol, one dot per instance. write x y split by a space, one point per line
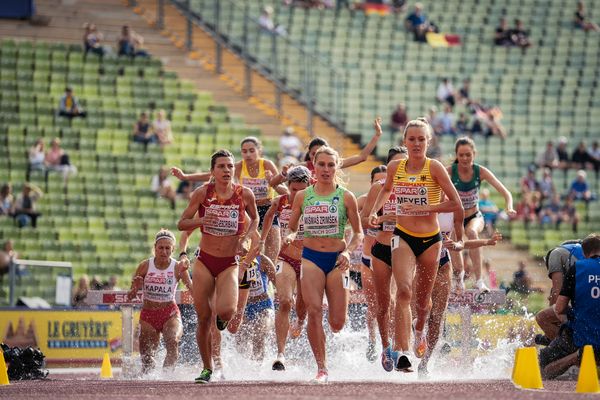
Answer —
581 20
489 210
488 117
8 255
521 281
580 190
96 283
266 22
594 153
548 158
529 183
58 160
546 185
580 159
37 155
432 116
502 35
528 207
464 93
81 292
446 93
161 185
417 23
69 105
569 214
398 119
184 190
142 131
462 125
399 6
551 212
92 39
112 283
581 320
25 209
563 154
130 43
289 144
445 121
519 36
162 129
7 201
434 150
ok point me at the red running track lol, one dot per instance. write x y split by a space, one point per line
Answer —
94 389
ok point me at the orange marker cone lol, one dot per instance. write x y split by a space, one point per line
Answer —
3 370
526 372
106 371
587 382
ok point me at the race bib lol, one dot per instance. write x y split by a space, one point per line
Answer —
410 194
252 273
395 242
321 219
284 223
470 198
389 208
346 280
227 219
259 186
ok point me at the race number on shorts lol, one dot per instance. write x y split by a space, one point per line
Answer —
395 242
346 280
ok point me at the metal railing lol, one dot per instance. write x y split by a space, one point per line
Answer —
304 75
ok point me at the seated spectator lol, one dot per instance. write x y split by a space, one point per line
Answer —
161 185
69 105
289 144
81 292
162 129
581 320
546 185
445 121
417 23
37 156
130 43
580 190
502 35
462 125
112 283
92 39
551 213
58 160
96 283
581 20
398 120
548 158
519 36
7 201
594 154
521 281
184 190
529 207
488 117
568 214
529 183
563 154
445 92
142 131
489 210
434 150
432 116
266 22
25 209
580 159
464 93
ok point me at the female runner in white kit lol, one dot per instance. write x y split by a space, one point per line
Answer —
326 208
158 277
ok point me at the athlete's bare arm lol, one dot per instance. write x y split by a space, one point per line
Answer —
368 149
489 176
138 279
295 217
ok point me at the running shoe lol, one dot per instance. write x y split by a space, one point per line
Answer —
402 362
204 376
481 286
459 284
422 369
371 353
221 324
420 346
296 328
218 374
278 365
387 359
321 378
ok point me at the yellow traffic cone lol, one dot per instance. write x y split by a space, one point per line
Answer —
106 371
526 371
516 369
3 370
587 382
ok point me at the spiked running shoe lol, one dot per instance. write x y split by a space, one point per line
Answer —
371 353
278 364
402 362
204 376
387 359
221 324
481 287
420 347
321 378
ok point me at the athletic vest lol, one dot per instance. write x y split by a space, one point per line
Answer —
446 221
259 184
259 282
324 216
468 191
284 209
160 285
586 323
389 208
230 212
418 188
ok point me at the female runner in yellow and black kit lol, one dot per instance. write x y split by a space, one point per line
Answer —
417 184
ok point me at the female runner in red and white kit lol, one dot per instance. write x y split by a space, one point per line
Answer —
158 277
221 206
289 263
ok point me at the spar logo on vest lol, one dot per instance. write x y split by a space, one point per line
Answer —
411 193
227 219
322 217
